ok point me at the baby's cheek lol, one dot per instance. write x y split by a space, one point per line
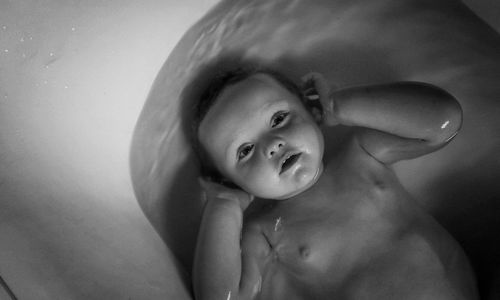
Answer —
264 181
249 177
309 136
264 184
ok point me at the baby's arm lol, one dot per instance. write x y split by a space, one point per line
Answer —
401 120
219 270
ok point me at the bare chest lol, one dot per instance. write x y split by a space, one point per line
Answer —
311 237
319 244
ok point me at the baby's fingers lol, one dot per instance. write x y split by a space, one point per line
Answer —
315 91
215 190
315 86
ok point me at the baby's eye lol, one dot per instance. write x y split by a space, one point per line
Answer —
278 118
245 151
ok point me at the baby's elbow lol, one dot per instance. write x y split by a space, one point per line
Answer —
453 123
450 118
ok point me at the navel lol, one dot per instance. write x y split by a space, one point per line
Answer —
379 184
304 252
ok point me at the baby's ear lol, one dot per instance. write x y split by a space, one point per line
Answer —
311 97
316 84
317 115
308 86
317 90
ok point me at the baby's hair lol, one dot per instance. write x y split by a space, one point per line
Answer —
210 95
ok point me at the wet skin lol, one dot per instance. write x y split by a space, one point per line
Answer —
343 227
356 234
262 126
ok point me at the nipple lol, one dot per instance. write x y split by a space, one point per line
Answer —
304 252
278 225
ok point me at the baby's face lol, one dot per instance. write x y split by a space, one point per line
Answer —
262 138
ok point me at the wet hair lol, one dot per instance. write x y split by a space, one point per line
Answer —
209 97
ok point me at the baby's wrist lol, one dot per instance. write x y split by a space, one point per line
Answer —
330 111
230 200
220 194
225 204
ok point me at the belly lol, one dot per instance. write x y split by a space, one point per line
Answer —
372 242
409 269
386 264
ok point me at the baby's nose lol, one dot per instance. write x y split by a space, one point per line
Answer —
274 147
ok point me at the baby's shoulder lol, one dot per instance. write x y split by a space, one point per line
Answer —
343 145
348 160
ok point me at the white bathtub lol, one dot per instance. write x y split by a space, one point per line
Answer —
73 81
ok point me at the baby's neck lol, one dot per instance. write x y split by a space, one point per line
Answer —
309 185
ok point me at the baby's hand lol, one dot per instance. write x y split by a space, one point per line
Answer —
316 88
216 191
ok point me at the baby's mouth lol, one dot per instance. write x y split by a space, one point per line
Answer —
288 161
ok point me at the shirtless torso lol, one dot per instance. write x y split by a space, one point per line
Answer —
357 234
339 225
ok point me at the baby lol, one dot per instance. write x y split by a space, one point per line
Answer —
302 203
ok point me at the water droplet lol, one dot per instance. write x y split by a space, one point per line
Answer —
4 27
6 50
445 124
31 38
278 225
154 168
46 66
51 54
45 82
258 286
66 87
73 28
24 55
21 39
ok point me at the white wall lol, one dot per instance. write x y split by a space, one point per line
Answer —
73 79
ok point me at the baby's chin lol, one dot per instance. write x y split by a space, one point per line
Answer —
301 187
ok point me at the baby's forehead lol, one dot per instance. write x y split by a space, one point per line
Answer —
259 89
244 104
240 103
250 99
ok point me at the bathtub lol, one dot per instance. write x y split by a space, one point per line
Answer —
350 42
98 194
